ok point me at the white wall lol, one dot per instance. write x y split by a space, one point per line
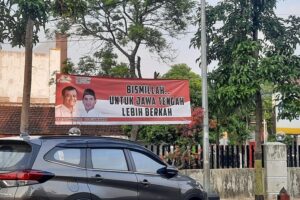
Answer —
12 76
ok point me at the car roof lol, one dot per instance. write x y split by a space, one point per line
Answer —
62 137
32 139
71 139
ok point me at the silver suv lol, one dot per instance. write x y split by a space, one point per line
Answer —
88 168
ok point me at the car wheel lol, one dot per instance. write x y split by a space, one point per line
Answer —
81 196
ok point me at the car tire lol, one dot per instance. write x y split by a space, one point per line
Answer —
81 196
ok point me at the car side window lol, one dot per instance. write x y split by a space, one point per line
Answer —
145 164
109 159
69 156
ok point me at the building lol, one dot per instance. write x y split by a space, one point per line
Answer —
46 62
12 76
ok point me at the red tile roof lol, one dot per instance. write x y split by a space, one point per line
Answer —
41 122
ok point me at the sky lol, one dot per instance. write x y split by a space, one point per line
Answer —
188 55
149 62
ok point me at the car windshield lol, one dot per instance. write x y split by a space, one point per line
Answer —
14 155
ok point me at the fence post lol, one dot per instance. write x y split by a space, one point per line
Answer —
217 156
275 156
298 156
161 151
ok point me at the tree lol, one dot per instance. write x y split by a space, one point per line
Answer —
182 71
120 70
102 63
182 133
185 134
99 64
127 25
158 134
4 19
247 62
17 18
14 17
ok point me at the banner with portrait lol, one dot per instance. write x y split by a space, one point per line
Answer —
88 100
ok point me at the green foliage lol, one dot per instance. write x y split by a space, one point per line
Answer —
127 25
246 63
14 16
70 9
102 63
236 84
269 109
121 70
158 134
284 72
99 64
68 67
88 66
238 130
181 134
182 71
107 58
5 20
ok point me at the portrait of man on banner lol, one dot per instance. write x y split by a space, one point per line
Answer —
89 101
68 108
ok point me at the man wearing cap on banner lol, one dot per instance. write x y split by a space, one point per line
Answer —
89 101
68 108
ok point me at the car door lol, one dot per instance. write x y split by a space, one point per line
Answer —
109 175
151 184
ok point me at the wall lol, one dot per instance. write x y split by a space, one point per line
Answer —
228 183
238 183
294 182
12 76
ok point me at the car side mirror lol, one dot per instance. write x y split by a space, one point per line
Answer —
168 171
171 170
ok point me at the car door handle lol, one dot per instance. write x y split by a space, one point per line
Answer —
98 178
145 182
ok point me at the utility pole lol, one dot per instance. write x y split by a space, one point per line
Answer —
24 128
206 175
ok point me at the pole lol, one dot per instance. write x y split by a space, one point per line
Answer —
206 175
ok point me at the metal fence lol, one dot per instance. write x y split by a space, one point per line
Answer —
221 156
293 155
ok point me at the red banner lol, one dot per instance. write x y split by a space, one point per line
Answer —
89 100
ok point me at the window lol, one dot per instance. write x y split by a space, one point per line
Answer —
14 155
144 163
109 159
69 156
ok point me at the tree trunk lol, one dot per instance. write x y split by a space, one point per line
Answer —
138 67
24 128
132 67
135 128
134 133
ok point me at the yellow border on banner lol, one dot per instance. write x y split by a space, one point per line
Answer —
289 130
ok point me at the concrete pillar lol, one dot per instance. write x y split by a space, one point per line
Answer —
54 66
62 44
275 157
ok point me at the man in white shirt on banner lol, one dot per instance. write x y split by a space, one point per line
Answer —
89 101
68 108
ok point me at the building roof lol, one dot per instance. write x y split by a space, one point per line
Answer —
42 122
